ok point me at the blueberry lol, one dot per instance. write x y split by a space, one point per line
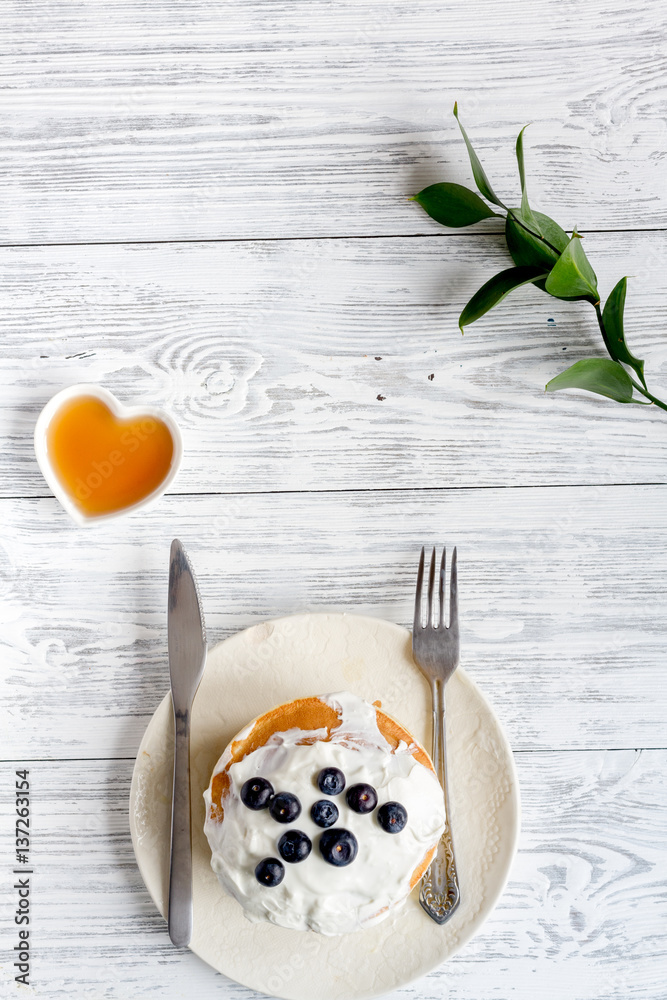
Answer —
331 781
338 847
324 813
285 807
294 846
392 817
362 798
256 793
270 872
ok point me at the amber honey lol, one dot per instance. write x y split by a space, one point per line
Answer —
105 463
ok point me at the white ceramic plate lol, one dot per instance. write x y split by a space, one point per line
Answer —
312 654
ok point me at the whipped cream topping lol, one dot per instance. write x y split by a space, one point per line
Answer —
314 894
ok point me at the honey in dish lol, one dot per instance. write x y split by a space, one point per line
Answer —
105 463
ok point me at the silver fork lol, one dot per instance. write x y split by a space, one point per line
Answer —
435 649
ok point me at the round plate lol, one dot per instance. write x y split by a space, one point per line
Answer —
313 654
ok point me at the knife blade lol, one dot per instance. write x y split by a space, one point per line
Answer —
186 634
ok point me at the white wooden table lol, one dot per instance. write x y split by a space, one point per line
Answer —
204 205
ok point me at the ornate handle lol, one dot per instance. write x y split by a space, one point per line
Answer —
439 894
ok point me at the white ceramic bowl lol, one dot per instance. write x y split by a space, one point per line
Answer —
122 413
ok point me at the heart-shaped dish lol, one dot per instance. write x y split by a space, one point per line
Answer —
108 458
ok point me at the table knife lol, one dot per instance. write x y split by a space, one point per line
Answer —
187 655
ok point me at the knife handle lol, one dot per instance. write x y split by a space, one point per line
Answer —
180 873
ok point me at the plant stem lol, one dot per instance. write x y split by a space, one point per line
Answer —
598 313
642 389
649 395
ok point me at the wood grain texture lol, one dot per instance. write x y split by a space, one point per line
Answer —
164 120
334 421
333 364
583 914
562 608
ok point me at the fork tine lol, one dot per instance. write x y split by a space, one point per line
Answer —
431 582
417 623
441 588
453 595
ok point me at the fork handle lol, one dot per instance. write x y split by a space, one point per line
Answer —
439 894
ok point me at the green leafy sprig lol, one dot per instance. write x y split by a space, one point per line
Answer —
545 256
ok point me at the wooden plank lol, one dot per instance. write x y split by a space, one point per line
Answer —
199 121
333 364
583 914
562 602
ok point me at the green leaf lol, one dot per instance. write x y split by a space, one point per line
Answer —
453 205
481 180
527 248
495 290
526 212
614 337
600 375
572 276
